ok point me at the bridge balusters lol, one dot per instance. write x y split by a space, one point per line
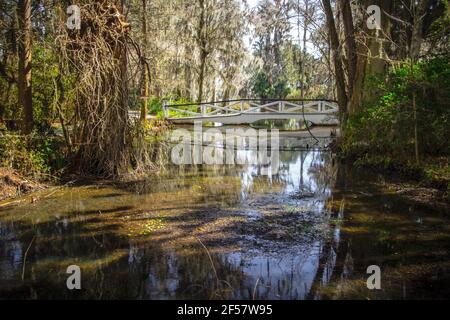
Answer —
249 109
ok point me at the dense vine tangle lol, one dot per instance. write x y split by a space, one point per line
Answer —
98 56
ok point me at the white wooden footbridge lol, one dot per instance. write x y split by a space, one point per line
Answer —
247 111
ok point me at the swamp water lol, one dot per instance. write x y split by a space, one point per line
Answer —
217 232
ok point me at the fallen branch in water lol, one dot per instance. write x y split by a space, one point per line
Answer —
33 197
255 289
25 257
11 203
218 281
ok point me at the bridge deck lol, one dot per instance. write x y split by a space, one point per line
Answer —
318 112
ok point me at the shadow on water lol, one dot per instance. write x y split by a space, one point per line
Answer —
217 232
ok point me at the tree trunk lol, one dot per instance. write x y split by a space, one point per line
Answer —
357 92
350 42
417 29
25 59
226 93
203 53
187 74
145 75
416 133
305 32
358 84
416 44
377 63
201 77
121 158
102 132
337 59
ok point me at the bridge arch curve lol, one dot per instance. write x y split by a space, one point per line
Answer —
247 111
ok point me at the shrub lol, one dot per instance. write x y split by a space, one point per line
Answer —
34 156
386 125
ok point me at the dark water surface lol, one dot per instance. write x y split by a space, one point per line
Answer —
216 232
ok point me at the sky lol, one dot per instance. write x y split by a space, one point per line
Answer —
294 31
252 3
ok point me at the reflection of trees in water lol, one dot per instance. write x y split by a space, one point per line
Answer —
316 170
117 267
112 267
147 273
335 259
382 229
157 274
287 124
324 171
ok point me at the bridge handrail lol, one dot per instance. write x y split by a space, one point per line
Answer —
249 100
251 106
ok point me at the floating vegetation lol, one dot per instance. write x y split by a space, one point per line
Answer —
147 227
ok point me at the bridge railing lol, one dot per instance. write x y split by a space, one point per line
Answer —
248 106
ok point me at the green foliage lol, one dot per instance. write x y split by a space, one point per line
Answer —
134 98
264 89
46 75
155 105
176 114
386 126
261 86
44 83
440 31
281 89
34 156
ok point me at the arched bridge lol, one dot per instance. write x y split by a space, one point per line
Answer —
247 111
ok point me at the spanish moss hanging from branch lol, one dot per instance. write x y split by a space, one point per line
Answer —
98 54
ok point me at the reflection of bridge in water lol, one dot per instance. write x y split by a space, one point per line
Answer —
318 138
247 111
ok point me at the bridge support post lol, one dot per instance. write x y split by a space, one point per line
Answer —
165 110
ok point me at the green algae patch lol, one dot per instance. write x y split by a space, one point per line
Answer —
146 227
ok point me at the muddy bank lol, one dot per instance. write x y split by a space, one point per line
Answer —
13 185
419 193
422 191
426 184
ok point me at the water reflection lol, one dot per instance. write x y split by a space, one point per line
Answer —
285 125
308 232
